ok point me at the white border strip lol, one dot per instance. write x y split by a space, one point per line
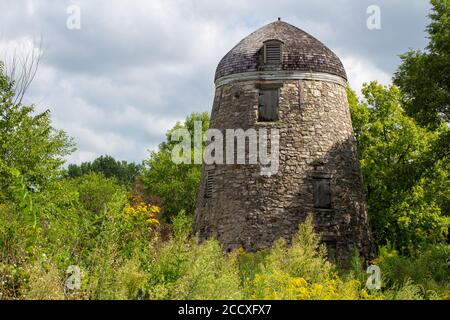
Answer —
280 75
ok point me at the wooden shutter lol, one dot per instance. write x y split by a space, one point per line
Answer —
209 188
261 106
272 108
268 105
322 193
273 52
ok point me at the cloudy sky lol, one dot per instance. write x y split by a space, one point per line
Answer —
134 68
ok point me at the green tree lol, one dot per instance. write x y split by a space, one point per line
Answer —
31 157
95 191
405 169
29 146
424 75
124 172
176 184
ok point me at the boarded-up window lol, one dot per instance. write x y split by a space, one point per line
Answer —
268 105
322 193
209 188
272 52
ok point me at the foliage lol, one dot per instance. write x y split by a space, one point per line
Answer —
30 148
423 75
426 269
44 282
98 216
405 169
299 272
176 184
122 264
190 271
141 212
95 191
124 172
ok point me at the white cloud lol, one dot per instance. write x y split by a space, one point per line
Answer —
30 5
135 68
360 71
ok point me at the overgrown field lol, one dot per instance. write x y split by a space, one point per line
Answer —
123 252
110 229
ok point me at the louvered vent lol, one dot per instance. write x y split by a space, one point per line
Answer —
209 184
273 52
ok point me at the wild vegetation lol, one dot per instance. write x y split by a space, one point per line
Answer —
128 227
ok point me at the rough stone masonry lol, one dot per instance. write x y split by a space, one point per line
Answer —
318 174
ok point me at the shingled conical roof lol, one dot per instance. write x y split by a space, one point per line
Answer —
301 52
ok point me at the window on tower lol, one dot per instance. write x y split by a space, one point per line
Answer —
268 105
322 193
209 188
272 52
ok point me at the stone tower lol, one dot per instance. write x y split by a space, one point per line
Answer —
280 77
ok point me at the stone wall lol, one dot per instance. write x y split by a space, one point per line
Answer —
251 211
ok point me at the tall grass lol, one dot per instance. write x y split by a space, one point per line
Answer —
123 258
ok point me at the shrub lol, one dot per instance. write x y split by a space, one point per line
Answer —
44 281
426 268
300 271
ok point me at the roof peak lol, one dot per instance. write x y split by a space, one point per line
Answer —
301 52
283 23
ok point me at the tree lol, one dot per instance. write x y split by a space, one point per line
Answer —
124 172
405 169
95 191
22 67
176 184
423 76
31 157
29 146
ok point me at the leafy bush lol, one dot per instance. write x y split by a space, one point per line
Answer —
86 216
299 272
426 269
125 173
405 169
176 184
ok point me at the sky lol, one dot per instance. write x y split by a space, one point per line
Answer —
118 74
